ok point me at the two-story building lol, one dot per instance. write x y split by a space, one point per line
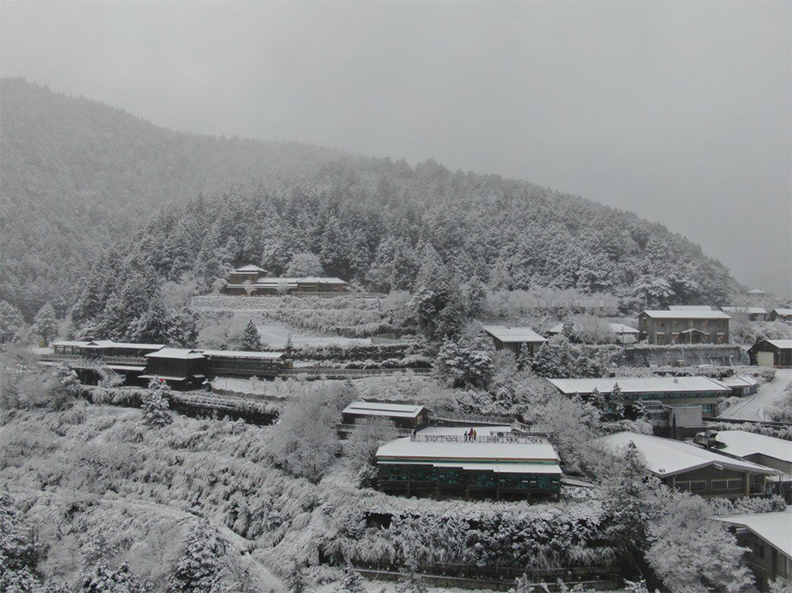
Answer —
684 327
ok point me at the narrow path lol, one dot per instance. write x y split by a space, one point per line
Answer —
753 407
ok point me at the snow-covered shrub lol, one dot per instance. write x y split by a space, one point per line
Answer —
304 441
199 569
464 362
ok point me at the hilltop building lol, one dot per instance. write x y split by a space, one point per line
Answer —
253 281
699 391
448 462
695 469
514 338
684 327
768 537
771 353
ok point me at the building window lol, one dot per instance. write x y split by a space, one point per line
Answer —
759 550
698 485
719 484
736 484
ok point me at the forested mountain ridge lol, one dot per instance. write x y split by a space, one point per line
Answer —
79 176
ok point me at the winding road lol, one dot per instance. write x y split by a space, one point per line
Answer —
753 407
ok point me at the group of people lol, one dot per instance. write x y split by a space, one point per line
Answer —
470 435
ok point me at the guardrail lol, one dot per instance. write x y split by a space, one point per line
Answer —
350 373
522 439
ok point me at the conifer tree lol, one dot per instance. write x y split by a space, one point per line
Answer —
200 566
45 325
155 404
250 341
351 583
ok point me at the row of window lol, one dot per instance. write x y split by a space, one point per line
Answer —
722 485
458 477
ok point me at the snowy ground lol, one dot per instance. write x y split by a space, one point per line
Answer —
753 407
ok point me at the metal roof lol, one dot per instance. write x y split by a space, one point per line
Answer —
782 311
382 409
639 385
467 452
686 314
742 443
508 334
178 353
241 354
773 528
667 457
780 344
249 269
689 308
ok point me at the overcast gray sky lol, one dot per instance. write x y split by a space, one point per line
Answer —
679 111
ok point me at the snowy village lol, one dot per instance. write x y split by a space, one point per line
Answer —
231 365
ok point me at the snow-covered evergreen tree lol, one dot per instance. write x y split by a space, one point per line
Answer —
199 569
45 324
155 404
250 341
352 582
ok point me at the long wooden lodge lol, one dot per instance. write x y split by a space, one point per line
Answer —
179 367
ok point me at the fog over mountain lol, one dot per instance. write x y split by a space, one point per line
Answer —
677 111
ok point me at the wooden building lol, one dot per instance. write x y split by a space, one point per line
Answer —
768 537
409 416
269 286
246 275
447 462
514 338
739 385
180 367
237 363
684 327
780 314
771 353
695 469
761 449
700 391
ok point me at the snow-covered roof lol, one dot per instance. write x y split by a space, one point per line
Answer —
513 334
745 310
780 344
498 468
249 269
241 354
773 528
180 353
380 409
96 344
126 367
667 457
638 385
304 280
686 314
742 443
689 308
756 291
738 381
616 328
465 453
783 311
